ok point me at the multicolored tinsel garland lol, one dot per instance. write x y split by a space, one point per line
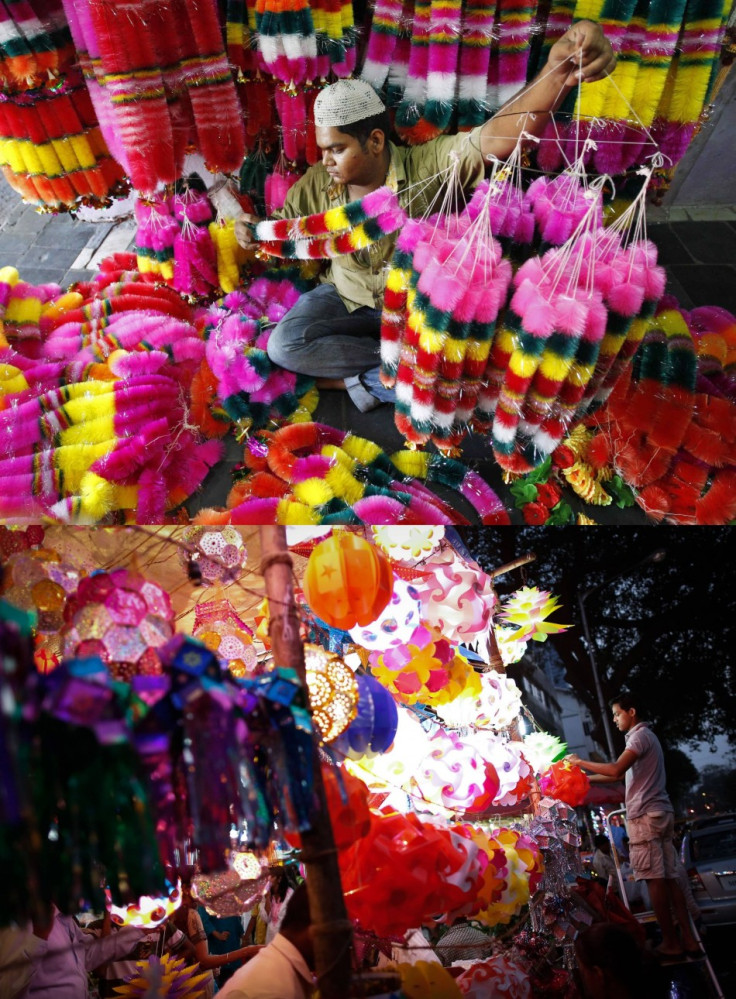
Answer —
93 407
51 149
238 383
35 43
157 75
670 422
340 230
385 27
513 28
309 473
475 54
286 40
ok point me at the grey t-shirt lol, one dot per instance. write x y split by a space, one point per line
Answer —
646 789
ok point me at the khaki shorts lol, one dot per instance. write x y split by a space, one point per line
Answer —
651 850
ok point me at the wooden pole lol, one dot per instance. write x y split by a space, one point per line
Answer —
331 928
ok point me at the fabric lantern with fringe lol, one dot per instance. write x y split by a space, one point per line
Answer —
347 581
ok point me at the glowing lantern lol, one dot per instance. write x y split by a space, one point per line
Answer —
218 626
516 777
493 704
396 622
233 891
425 669
528 608
218 552
456 597
509 644
565 782
455 776
333 691
147 912
524 869
121 617
542 749
347 803
348 581
38 580
408 544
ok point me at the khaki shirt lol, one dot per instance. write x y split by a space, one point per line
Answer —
418 174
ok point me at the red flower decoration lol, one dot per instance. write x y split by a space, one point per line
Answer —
548 494
535 513
563 457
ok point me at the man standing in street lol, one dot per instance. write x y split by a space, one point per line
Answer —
650 819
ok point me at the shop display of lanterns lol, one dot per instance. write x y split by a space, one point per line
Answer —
217 553
121 617
347 581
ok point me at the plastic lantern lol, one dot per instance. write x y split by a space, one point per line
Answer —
542 749
516 777
39 581
408 544
528 608
218 626
494 873
425 669
347 581
509 644
374 727
493 704
235 890
524 868
147 912
395 768
565 782
396 622
218 552
333 691
347 803
455 776
497 978
121 617
456 597
427 978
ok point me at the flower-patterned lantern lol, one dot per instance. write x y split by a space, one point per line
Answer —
236 889
494 706
218 626
407 545
425 669
396 622
123 618
333 691
528 608
347 581
565 782
148 912
524 870
454 776
456 597
218 552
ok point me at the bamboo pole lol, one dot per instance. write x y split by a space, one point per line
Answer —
331 928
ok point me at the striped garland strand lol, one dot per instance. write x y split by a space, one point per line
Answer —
409 121
515 21
475 52
442 69
385 29
286 39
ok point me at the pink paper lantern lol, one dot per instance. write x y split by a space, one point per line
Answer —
123 618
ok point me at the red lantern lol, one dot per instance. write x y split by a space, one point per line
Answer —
347 803
565 782
348 581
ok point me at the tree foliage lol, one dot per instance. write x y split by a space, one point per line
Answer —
664 630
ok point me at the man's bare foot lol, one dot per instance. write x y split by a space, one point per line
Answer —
330 383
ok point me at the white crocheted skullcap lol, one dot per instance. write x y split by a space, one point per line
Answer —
345 102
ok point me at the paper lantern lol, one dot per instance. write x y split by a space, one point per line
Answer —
147 912
121 617
408 544
456 597
528 608
374 727
426 669
455 776
347 803
218 626
497 978
396 622
235 890
38 580
333 691
565 782
495 705
218 552
347 581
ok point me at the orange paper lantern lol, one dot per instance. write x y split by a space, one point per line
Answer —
348 581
